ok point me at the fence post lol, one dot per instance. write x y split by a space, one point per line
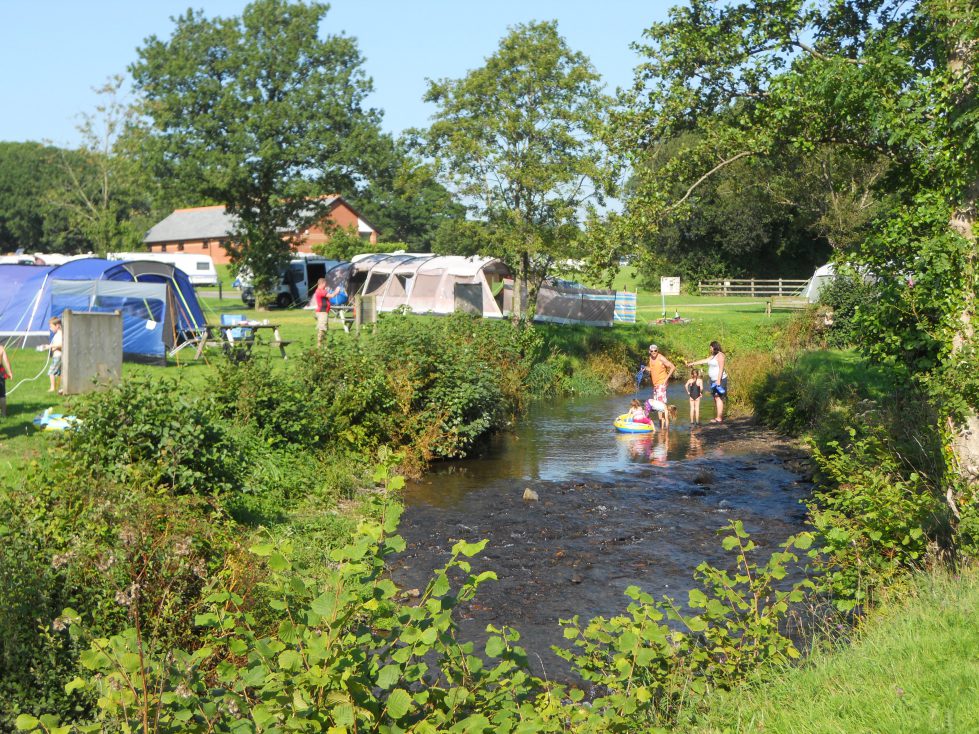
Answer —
752 287
780 286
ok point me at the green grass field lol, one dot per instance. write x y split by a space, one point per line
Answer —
915 669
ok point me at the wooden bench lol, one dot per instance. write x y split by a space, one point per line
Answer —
794 303
281 344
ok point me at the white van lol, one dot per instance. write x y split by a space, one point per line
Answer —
199 268
299 280
16 259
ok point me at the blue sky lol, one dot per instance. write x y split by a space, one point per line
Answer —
53 52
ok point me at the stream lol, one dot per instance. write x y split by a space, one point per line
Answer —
614 510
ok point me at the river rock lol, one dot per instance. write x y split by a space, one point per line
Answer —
704 476
530 495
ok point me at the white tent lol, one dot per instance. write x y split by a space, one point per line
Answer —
823 275
428 283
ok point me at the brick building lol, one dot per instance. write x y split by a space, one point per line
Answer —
206 230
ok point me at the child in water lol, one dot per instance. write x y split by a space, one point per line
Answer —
637 414
695 389
659 407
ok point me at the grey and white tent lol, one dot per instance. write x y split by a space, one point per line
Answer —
819 279
426 283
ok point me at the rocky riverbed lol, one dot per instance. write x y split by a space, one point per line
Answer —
646 510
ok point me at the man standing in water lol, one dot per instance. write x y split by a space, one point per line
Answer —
660 371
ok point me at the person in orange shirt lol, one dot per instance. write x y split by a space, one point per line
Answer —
660 371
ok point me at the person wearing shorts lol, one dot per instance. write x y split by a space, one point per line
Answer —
321 302
717 373
55 348
660 371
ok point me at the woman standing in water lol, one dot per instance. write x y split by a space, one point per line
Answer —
717 372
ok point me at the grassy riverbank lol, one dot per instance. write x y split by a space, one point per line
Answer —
913 667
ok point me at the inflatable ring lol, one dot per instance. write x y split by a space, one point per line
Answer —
55 421
624 425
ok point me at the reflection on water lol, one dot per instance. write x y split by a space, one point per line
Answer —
559 440
614 510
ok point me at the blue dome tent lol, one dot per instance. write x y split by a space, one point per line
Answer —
159 308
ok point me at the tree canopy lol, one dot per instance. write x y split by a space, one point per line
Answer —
518 140
261 114
878 81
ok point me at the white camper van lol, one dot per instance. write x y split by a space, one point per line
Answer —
299 280
199 268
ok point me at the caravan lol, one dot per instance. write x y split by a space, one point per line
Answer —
199 268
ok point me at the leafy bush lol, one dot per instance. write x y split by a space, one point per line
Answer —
875 518
434 387
847 294
147 432
272 403
118 553
654 661
347 653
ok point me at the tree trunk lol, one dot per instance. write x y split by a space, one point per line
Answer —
517 296
965 441
529 298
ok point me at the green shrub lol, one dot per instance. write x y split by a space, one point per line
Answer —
432 386
270 402
654 661
346 653
119 554
875 517
847 295
150 433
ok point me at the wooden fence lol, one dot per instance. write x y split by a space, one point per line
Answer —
753 287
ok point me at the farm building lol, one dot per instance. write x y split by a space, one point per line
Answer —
207 230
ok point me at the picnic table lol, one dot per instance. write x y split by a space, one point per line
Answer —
239 338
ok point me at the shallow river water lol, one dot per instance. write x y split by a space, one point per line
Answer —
613 510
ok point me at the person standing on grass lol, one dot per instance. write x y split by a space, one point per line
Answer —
660 371
321 302
717 372
695 389
5 374
55 348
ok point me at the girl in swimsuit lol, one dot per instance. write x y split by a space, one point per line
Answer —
695 389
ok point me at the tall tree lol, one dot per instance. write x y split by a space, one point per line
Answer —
28 217
404 200
261 114
101 191
875 78
518 140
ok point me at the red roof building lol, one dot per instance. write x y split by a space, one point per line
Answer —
206 230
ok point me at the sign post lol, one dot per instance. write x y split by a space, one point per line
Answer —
668 286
